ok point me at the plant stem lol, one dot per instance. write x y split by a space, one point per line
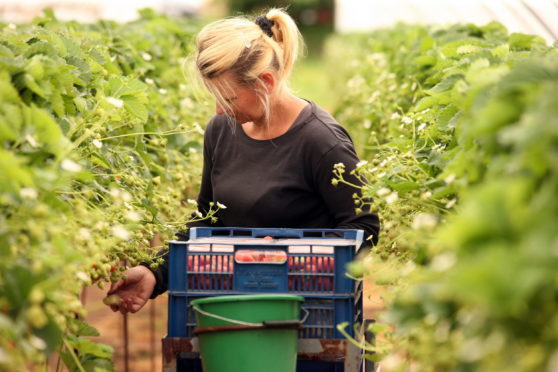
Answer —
74 356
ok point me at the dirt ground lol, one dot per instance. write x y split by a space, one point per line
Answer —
147 327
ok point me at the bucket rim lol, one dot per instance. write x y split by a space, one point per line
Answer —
242 298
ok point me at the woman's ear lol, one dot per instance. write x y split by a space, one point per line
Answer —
269 81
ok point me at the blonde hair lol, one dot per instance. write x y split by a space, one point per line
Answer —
240 46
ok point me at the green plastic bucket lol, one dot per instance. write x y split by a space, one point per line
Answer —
248 332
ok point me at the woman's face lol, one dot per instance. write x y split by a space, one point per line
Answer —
242 101
243 104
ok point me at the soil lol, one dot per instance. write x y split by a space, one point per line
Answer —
146 328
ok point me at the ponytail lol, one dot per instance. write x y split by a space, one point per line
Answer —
287 35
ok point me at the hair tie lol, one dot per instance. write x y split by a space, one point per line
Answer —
265 24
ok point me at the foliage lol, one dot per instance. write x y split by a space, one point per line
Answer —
459 129
100 146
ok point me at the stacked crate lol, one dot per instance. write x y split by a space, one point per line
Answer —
306 262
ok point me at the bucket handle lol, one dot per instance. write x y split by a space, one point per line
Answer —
265 323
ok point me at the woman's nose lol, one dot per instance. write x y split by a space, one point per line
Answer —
218 109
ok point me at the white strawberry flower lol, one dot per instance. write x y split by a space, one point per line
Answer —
392 198
383 191
361 163
115 102
406 120
28 192
449 179
451 203
120 232
70 166
133 216
84 233
425 220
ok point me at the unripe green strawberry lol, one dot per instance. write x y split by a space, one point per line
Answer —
112 300
36 316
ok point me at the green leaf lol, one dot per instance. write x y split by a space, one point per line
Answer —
6 52
13 115
425 103
525 42
427 43
35 67
480 73
445 84
99 160
14 173
71 46
97 364
495 114
501 51
41 47
425 60
8 93
69 107
467 49
85 329
135 107
404 186
122 86
30 83
47 129
11 65
57 103
7 132
81 104
80 63
85 346
69 361
98 56
147 205
446 115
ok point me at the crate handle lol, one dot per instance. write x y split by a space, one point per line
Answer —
264 324
260 256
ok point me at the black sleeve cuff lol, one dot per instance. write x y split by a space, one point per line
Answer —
161 273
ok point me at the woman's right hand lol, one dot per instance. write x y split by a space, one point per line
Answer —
134 291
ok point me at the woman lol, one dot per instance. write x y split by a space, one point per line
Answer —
268 155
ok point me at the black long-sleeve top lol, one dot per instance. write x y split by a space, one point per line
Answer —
283 182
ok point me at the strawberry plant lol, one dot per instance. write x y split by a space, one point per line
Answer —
100 150
446 120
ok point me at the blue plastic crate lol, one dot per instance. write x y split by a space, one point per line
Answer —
315 261
323 315
306 262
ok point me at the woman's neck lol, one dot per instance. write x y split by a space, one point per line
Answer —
283 113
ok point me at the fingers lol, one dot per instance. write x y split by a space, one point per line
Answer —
120 308
115 286
127 306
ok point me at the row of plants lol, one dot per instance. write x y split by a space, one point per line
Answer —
100 142
458 127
